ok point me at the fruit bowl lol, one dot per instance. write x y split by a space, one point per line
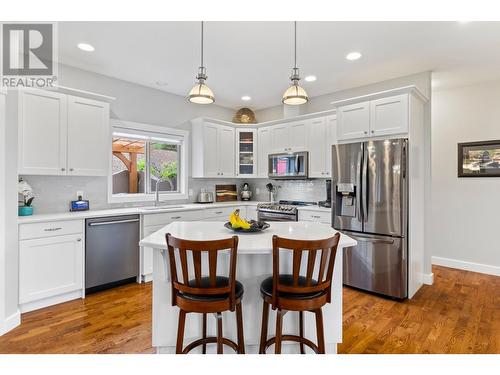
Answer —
255 226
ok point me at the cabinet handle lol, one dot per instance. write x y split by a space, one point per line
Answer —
71 169
78 240
316 217
52 229
63 169
219 212
365 132
176 217
373 131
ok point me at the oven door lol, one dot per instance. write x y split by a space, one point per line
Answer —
288 166
275 216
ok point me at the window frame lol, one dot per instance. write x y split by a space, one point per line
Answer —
147 129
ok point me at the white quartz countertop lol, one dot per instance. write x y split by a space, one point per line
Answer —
249 243
145 210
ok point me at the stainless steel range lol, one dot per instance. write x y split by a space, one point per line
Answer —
281 211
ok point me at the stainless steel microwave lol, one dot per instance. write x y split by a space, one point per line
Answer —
288 166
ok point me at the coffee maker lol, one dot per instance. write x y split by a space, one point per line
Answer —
245 193
328 202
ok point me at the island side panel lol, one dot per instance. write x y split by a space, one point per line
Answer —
252 269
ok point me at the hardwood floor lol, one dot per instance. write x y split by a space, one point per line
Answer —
460 313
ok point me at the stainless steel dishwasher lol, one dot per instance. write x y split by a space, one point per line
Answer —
111 251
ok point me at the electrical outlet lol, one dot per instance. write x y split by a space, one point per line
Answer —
79 193
190 192
257 191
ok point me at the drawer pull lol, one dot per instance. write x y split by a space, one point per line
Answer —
78 240
219 212
316 217
52 229
176 217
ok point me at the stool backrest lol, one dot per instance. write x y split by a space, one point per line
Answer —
311 281
197 248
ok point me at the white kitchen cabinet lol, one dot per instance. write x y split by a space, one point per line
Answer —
389 115
62 134
264 144
321 137
289 137
213 150
246 153
280 138
353 121
320 216
297 137
88 137
50 267
42 132
378 117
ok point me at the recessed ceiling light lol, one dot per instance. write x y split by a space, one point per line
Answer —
86 47
246 98
310 78
353 56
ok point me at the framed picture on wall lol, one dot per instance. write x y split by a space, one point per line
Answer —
479 159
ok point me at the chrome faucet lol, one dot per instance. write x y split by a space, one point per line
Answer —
157 192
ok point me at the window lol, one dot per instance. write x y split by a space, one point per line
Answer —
146 158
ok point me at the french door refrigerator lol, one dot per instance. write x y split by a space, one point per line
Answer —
370 204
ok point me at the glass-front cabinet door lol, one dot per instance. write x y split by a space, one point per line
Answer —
246 144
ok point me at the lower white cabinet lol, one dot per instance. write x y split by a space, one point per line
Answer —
50 269
323 216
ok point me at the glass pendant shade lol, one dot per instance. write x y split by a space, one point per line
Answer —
201 94
295 95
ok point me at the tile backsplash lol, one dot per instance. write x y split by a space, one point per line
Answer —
53 193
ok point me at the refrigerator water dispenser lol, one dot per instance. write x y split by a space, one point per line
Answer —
346 200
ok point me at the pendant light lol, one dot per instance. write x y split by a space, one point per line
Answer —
201 93
295 95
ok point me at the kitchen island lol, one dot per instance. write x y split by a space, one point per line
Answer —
254 264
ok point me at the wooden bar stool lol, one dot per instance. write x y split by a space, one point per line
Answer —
205 294
293 292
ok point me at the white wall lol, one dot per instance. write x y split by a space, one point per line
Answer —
465 211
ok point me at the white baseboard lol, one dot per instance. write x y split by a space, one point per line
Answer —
49 301
428 278
10 323
467 266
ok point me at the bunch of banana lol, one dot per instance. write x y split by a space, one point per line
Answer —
237 222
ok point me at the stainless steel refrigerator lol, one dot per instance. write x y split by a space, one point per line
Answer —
370 204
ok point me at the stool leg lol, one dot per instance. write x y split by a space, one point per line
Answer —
319 331
219 334
263 332
279 326
180 331
301 330
239 324
204 350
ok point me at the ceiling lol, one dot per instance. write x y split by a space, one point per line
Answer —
255 58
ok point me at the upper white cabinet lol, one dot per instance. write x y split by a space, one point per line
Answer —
353 121
289 137
246 153
213 150
88 137
42 132
389 115
321 136
61 134
264 144
378 117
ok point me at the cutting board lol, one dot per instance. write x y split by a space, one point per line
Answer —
225 193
